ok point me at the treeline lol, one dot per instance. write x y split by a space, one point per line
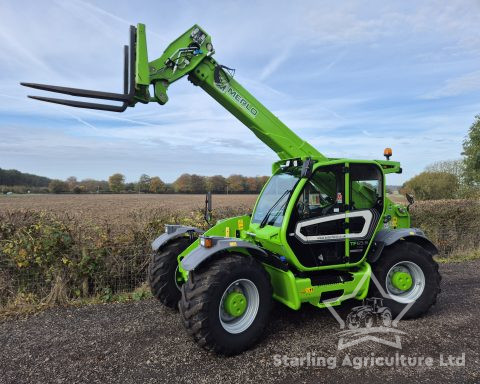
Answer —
12 177
116 183
188 183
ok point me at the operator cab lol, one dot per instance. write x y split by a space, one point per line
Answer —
329 217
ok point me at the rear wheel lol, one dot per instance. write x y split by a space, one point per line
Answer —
353 321
163 276
386 318
409 276
226 304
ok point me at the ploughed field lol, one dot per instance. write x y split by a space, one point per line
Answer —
110 206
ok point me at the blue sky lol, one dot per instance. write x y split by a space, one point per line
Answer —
350 77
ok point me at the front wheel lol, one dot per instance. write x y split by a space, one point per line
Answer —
409 277
225 304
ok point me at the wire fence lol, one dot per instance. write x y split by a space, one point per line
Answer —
115 272
112 271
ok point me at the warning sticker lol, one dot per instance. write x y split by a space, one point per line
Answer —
339 198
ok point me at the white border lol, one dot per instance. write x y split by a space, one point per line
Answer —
366 214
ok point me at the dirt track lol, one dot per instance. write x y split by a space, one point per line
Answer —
142 342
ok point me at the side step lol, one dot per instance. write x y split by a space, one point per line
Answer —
319 288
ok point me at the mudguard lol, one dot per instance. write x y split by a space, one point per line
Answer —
172 232
219 244
386 237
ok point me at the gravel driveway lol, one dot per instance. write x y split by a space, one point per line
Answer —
143 342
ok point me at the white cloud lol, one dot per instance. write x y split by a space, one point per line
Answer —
277 60
456 86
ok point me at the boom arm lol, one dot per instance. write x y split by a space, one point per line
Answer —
190 55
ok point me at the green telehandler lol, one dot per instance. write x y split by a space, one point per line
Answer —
322 230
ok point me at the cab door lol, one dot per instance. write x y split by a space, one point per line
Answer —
317 228
364 207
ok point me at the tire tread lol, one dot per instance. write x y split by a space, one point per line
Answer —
160 269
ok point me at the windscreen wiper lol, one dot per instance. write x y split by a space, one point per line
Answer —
269 212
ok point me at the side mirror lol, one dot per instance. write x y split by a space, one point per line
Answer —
208 207
410 199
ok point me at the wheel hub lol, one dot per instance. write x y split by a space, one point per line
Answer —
402 280
405 282
235 304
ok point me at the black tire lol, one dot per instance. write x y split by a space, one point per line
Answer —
162 272
201 298
353 321
368 320
407 251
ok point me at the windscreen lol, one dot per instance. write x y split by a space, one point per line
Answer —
271 206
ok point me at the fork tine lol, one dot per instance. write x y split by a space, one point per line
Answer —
82 104
79 92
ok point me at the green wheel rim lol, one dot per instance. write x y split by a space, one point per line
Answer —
405 274
402 280
235 304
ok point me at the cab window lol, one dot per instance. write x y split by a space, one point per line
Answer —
322 194
366 186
